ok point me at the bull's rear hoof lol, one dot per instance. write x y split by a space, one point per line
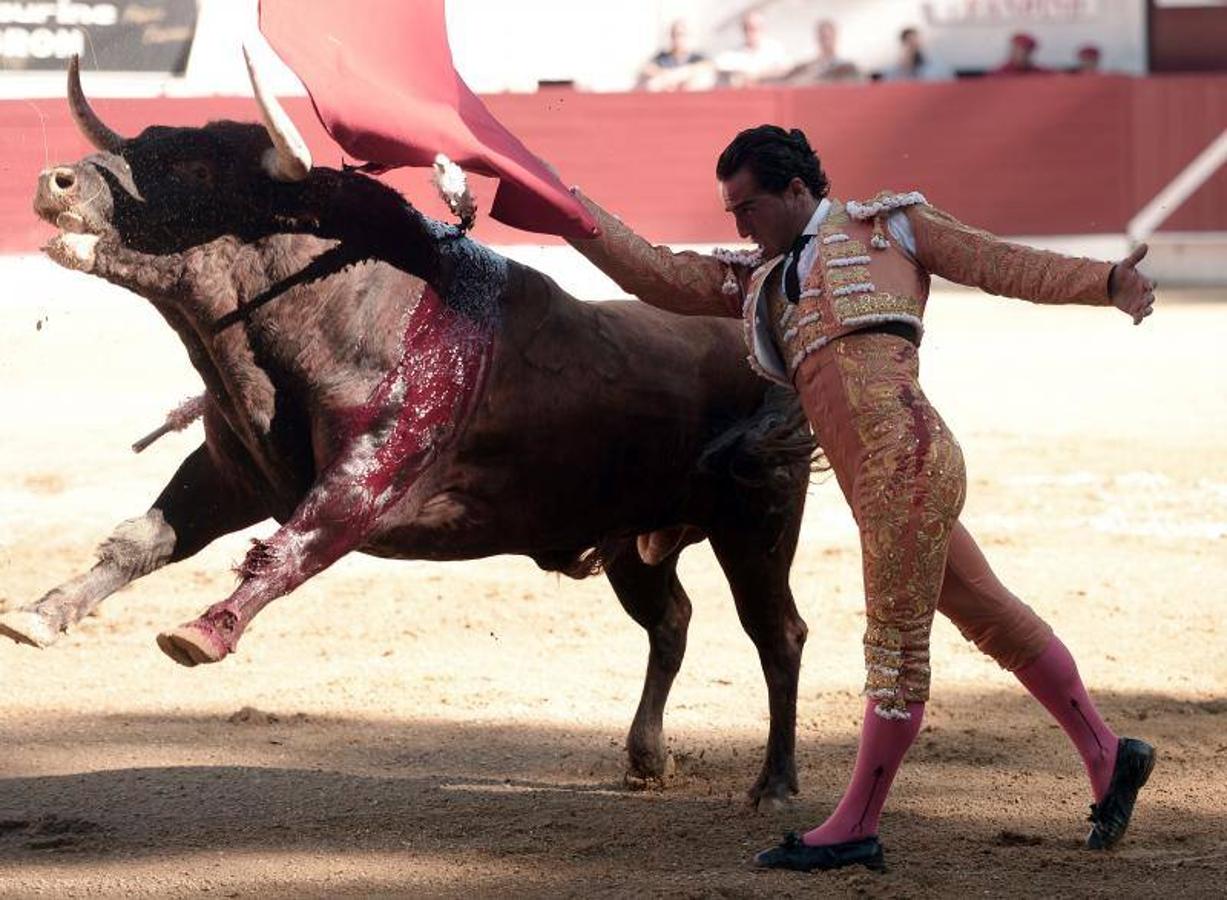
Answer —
28 627
769 804
633 782
651 765
189 645
648 772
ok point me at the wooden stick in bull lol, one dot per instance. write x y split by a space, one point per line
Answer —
177 419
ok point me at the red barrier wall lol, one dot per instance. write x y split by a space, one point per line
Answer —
1059 155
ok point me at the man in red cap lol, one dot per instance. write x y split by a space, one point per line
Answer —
1021 57
1088 60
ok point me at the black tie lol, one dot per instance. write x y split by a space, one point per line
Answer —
792 281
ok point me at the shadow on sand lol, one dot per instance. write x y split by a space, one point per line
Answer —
981 800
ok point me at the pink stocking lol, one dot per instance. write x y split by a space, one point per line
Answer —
884 743
1052 678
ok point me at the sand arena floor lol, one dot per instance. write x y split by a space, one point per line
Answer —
427 729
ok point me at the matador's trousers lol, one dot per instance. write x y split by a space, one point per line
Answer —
902 473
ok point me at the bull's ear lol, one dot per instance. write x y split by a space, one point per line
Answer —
92 127
288 159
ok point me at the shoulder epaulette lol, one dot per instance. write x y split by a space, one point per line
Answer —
752 258
884 201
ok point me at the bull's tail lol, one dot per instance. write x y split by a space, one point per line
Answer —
768 447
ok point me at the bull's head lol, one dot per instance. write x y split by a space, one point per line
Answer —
170 189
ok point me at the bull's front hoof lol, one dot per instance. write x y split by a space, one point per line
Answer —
28 627
192 645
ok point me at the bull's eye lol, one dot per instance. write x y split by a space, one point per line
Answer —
194 172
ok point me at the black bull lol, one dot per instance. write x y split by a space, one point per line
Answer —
595 422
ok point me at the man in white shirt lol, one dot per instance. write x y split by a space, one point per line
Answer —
828 65
759 58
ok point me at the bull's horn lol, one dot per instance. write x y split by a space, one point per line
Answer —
87 120
289 159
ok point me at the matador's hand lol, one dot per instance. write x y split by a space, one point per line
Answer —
1131 291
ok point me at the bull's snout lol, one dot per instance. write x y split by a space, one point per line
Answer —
61 179
72 197
58 188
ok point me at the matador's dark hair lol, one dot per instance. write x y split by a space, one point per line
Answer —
775 157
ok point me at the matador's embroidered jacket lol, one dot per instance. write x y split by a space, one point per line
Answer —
873 265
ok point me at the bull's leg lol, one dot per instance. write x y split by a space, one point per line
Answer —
655 599
408 419
196 507
758 576
337 516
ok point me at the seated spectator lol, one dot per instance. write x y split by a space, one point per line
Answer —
1020 60
679 67
1088 60
827 65
914 63
760 58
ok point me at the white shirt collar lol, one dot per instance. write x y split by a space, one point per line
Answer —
811 227
819 216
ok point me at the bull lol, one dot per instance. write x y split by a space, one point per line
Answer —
329 320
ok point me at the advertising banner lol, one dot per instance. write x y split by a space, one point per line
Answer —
109 35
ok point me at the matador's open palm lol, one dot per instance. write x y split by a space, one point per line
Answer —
1131 291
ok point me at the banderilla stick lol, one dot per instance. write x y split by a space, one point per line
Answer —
177 419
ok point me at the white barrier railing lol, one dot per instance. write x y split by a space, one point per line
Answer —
1181 188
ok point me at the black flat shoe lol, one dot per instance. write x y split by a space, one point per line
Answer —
793 854
1110 817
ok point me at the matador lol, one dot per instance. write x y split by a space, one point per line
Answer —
833 304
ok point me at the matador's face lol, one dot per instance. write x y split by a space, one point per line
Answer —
770 219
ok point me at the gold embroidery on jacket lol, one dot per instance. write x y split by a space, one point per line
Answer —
972 256
684 282
842 250
879 303
848 275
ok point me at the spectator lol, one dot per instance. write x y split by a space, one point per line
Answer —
914 63
759 58
1021 57
679 66
827 65
1088 60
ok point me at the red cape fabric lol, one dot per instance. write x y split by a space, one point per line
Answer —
381 76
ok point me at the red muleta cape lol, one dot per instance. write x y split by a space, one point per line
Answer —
381 77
